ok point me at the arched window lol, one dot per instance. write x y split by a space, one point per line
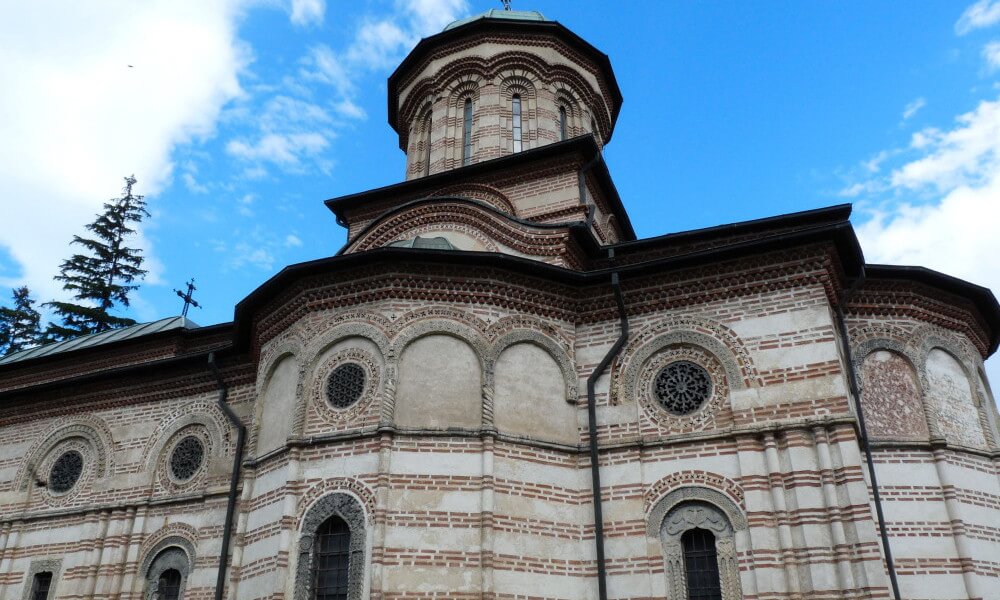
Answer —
331 561
427 144
701 565
515 108
169 585
467 133
562 123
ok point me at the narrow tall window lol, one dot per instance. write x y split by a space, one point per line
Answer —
515 106
427 144
562 122
467 133
40 586
701 564
332 560
169 585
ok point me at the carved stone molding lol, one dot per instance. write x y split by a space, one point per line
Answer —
321 406
45 565
169 553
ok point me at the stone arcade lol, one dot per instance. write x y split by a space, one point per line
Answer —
420 409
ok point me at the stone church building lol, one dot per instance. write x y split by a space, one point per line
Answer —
495 391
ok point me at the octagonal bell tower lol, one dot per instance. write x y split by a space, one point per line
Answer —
495 84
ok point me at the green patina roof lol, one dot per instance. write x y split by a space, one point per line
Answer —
511 15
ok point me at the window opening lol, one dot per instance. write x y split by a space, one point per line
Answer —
467 133
40 586
562 122
332 560
346 385
701 564
186 459
66 471
682 387
169 585
516 112
427 144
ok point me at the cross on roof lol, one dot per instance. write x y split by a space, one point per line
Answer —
506 4
188 297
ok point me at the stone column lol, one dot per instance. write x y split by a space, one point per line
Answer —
776 485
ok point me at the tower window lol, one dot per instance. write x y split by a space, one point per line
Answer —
467 133
562 122
332 559
40 586
701 565
427 144
516 117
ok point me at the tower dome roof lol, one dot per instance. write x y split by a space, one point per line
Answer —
512 15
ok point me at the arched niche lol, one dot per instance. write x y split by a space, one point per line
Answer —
347 509
530 397
440 384
890 397
278 399
170 554
951 401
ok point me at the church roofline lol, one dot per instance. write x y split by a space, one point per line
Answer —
840 234
487 24
584 145
982 298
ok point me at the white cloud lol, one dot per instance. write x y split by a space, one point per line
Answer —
285 150
991 54
913 108
978 16
953 230
308 12
293 241
76 118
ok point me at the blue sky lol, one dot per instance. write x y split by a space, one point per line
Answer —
240 117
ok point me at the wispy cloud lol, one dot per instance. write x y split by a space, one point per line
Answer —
307 12
991 54
911 109
978 16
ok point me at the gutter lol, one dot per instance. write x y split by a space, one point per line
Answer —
241 430
852 378
595 469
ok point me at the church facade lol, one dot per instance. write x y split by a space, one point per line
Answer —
495 391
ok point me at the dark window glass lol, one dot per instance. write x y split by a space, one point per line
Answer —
169 586
40 586
701 564
562 122
186 458
345 386
331 560
467 133
65 471
516 117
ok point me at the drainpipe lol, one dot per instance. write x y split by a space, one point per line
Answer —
595 471
852 379
234 478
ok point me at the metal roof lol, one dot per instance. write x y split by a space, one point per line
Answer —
511 15
99 339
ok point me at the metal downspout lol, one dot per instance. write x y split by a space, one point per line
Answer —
234 479
852 379
595 471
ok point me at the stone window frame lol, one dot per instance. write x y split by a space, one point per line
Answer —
320 376
689 508
51 565
703 416
172 552
350 509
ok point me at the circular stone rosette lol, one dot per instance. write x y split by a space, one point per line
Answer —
67 470
361 369
672 369
179 454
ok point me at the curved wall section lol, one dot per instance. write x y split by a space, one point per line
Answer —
951 402
530 396
440 384
891 397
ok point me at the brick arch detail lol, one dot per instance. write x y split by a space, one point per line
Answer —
88 427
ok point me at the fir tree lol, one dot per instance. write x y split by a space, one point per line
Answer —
19 326
103 275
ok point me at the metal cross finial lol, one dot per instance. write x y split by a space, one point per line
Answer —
188 297
506 4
